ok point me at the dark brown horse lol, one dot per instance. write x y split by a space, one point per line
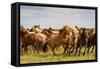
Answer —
81 41
91 41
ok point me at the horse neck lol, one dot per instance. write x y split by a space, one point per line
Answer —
61 36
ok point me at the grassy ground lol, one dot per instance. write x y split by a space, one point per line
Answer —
48 57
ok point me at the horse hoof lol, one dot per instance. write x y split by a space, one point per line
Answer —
83 54
54 54
79 55
63 53
68 54
71 51
74 54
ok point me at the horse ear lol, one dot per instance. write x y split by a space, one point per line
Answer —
38 26
77 28
90 31
65 27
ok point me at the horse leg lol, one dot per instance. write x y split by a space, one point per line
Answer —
79 51
92 49
53 51
76 50
69 51
25 49
65 48
37 50
84 51
22 49
88 49
72 49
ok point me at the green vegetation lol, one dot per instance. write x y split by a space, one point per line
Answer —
48 57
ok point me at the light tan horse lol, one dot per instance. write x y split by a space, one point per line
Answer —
36 29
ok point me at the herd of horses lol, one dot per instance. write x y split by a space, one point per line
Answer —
71 40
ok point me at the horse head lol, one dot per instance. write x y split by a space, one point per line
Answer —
64 31
23 32
36 29
47 32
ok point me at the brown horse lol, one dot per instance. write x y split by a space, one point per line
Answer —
37 40
82 40
91 41
56 40
70 43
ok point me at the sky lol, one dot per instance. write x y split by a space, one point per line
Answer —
55 17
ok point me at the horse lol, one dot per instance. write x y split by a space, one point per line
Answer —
37 40
47 32
81 40
91 41
56 40
72 39
36 29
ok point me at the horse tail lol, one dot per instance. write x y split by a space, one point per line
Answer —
44 48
